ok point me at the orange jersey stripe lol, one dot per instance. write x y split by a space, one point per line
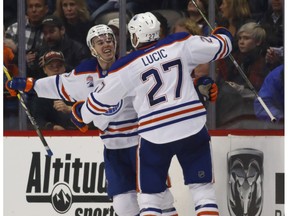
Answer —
123 129
171 115
65 93
96 108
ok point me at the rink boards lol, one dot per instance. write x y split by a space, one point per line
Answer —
248 170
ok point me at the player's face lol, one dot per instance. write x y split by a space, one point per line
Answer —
246 42
104 45
54 67
52 35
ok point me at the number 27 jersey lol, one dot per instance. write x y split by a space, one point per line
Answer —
158 77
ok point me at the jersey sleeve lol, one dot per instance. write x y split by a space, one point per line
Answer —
211 48
98 103
47 87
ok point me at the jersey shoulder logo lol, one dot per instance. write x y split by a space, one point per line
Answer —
89 81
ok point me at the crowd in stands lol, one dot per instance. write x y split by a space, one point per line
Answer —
61 26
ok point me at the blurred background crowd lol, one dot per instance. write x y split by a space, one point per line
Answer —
54 34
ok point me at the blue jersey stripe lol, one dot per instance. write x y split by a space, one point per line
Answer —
171 122
169 109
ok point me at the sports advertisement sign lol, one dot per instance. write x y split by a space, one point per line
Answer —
248 170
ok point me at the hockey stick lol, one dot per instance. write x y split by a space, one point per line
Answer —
273 119
32 120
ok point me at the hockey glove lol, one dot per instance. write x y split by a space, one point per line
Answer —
76 117
20 84
222 30
207 88
12 92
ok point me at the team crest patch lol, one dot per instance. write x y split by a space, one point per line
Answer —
104 72
115 109
89 81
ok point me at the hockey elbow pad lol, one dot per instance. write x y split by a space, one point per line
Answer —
20 84
76 117
222 30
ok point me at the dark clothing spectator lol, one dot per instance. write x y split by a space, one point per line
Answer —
258 8
273 22
252 63
47 117
73 51
78 31
76 18
55 39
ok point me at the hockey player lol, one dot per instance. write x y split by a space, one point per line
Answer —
171 119
119 125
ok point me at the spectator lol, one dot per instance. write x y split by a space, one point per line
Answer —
233 14
56 39
36 11
52 114
273 22
272 93
76 18
194 15
235 99
10 102
258 8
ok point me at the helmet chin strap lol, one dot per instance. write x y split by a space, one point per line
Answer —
95 54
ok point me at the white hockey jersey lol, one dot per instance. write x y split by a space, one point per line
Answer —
158 77
119 125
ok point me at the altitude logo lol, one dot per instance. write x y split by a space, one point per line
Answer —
62 182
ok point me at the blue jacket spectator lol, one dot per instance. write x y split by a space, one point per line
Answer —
272 93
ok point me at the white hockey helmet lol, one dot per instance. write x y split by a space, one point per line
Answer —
96 31
145 26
